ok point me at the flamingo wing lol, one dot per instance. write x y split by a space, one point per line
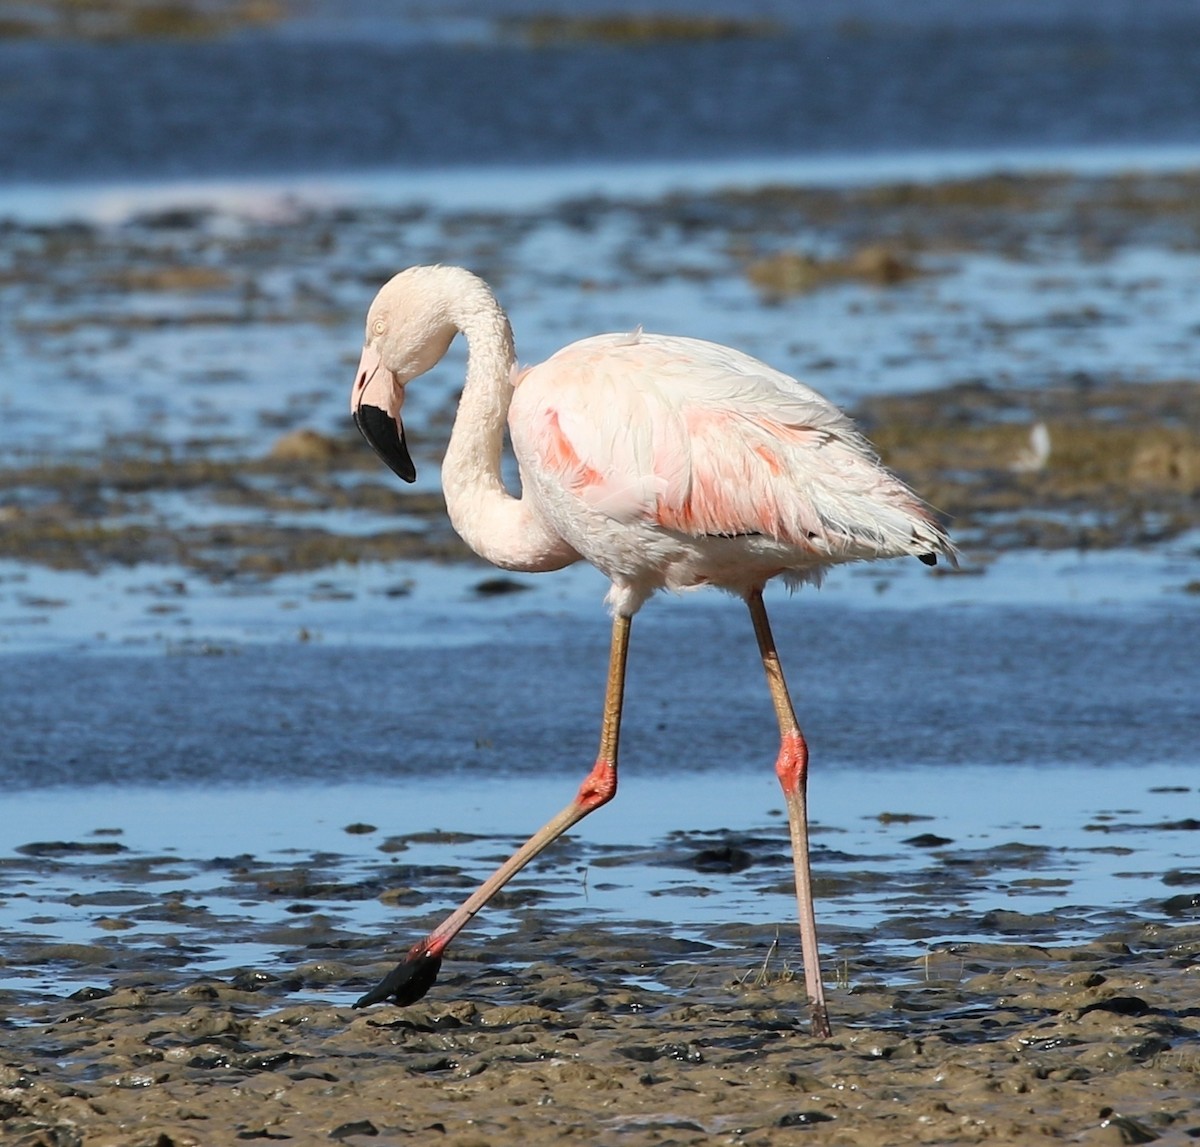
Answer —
704 440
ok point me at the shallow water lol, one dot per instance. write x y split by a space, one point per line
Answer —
1048 744
389 90
906 862
1058 659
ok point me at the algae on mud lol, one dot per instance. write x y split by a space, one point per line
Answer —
96 511
123 19
1121 468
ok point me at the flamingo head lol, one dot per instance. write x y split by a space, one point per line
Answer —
407 333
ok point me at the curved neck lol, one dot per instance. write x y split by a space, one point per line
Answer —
506 531
472 461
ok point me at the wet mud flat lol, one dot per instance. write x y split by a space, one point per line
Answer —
1120 467
556 1021
1021 349
1002 1043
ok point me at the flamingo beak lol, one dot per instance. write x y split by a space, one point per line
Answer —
375 405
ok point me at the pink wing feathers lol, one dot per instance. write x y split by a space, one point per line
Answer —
703 440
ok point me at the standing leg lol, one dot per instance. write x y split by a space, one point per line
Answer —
792 770
416 973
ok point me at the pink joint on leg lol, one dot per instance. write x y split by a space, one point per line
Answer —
792 765
599 786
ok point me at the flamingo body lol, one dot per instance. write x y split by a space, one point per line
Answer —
674 462
666 462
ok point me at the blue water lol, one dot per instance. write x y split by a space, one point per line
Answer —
379 86
466 688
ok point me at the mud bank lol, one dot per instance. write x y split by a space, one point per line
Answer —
1028 363
1120 467
189 999
991 1043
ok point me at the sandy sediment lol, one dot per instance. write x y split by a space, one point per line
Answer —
1006 1043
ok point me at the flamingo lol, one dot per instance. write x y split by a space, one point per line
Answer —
665 462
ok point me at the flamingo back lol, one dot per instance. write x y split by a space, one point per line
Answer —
698 441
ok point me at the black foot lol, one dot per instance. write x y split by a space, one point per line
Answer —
406 983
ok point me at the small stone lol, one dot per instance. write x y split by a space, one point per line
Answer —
498 586
804 1118
359 1127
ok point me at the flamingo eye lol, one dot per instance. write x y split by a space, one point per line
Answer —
379 326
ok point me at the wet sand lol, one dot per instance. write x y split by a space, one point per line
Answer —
566 1026
1097 1045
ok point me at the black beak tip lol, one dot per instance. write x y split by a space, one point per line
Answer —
386 437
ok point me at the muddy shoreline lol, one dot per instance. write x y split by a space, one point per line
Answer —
1122 469
189 294
1095 1044
554 1020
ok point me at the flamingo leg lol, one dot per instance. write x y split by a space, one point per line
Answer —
792 770
416 973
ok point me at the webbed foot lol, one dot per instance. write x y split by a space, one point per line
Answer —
406 983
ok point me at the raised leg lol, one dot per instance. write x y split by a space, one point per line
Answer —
416 973
792 770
